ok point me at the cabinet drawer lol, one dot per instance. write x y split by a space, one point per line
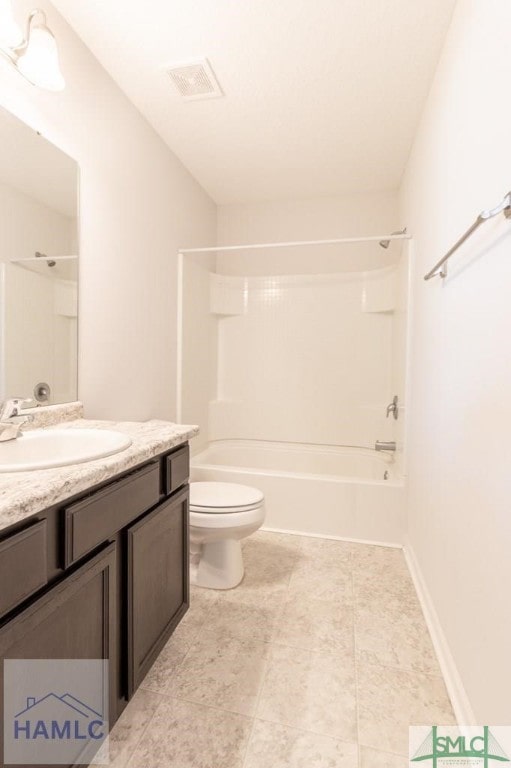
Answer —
93 520
23 566
177 469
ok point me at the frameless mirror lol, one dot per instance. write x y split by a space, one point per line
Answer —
38 267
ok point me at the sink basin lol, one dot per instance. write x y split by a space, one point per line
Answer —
45 448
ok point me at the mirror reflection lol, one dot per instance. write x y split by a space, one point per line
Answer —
38 266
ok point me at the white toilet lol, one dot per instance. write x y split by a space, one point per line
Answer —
221 514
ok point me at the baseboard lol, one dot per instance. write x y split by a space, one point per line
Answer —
459 699
311 535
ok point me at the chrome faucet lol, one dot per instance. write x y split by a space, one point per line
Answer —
382 445
10 420
393 408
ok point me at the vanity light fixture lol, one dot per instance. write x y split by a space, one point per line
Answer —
35 57
10 33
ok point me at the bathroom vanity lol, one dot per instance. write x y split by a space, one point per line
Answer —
101 571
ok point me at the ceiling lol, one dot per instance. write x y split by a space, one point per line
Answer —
321 98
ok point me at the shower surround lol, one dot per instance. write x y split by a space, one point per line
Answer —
305 366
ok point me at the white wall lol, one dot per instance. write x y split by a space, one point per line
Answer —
138 205
459 478
199 361
355 215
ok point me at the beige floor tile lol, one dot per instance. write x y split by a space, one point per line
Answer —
201 600
269 559
221 672
160 674
188 629
286 539
280 647
251 619
130 727
371 758
271 548
310 691
365 556
382 583
200 596
384 586
262 583
280 558
186 735
388 593
315 625
390 700
325 552
395 641
316 582
279 746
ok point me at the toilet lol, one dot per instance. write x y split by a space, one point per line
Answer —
221 514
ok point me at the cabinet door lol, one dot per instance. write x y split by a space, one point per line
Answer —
73 620
158 582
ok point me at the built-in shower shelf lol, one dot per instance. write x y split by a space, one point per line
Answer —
226 295
379 292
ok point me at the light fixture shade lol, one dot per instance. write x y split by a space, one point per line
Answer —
39 62
10 33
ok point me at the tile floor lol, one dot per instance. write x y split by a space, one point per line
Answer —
320 659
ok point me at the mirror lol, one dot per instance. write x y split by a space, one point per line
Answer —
38 267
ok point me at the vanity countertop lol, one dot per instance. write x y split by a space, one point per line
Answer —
24 493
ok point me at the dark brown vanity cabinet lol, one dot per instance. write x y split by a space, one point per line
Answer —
101 575
75 619
158 591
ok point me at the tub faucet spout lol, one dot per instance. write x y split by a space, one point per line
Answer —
382 445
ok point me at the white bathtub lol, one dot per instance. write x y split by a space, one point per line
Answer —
326 491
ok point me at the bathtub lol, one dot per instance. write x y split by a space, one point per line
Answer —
347 493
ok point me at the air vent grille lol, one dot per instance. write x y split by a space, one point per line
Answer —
195 80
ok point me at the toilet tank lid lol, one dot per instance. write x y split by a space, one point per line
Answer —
223 495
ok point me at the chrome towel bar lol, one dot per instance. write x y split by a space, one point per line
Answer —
504 207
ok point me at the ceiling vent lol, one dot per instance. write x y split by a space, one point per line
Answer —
195 80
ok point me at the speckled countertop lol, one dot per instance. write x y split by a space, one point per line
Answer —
24 493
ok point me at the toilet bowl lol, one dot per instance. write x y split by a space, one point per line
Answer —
221 514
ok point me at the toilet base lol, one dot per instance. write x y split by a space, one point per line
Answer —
216 564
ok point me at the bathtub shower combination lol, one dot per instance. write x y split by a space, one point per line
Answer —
299 362
343 492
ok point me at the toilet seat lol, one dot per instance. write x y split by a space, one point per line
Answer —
210 498
233 520
222 510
